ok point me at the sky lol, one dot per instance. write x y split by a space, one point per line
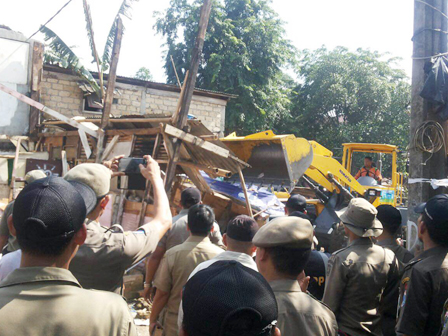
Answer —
381 25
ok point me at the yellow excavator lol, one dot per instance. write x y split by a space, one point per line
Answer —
281 163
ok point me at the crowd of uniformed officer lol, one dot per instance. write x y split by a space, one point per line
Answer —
373 286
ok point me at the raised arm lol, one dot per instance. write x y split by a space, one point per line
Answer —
162 218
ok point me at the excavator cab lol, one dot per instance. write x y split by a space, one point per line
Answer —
390 189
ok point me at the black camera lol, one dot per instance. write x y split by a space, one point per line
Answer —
130 166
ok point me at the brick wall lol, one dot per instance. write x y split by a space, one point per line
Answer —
60 92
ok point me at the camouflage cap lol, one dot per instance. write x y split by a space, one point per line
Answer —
293 232
95 175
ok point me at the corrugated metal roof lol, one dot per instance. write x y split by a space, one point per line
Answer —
148 84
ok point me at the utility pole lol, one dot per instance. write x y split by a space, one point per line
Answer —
187 94
430 38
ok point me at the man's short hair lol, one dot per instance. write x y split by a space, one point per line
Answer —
390 217
200 219
435 216
437 234
289 261
368 158
242 228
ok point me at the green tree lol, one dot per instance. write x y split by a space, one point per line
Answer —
143 74
348 96
244 53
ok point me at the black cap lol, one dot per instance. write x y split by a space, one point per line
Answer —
190 196
296 203
436 209
228 298
390 217
52 208
242 228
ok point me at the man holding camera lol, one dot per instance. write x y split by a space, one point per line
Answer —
101 262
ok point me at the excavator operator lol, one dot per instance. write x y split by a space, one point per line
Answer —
370 170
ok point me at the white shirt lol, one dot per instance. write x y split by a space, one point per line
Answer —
9 263
243 258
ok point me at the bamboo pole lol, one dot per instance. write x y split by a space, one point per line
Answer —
246 194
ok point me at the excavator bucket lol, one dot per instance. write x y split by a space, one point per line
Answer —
276 160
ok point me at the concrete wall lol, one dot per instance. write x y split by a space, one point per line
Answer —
15 65
61 92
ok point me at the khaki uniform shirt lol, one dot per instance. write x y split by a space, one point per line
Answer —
299 313
43 301
423 292
356 279
101 262
179 232
13 245
174 270
390 302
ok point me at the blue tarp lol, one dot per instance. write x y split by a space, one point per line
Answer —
260 199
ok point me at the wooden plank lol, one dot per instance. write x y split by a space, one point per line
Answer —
64 162
109 147
175 132
179 103
14 171
112 77
246 195
47 110
118 121
85 143
135 131
187 93
36 79
112 132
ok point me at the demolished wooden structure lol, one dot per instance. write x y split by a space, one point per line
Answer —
135 136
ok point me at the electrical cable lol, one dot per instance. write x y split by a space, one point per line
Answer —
429 132
48 21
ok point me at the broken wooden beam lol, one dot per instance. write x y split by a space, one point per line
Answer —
187 94
47 110
177 133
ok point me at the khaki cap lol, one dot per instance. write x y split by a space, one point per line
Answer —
95 175
34 175
360 218
293 232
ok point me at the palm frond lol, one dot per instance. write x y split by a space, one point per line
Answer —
125 10
89 28
59 53
90 34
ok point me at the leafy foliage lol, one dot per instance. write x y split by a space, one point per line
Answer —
244 53
59 53
62 55
348 96
125 10
143 74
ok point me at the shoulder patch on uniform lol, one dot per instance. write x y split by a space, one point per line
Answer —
411 264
